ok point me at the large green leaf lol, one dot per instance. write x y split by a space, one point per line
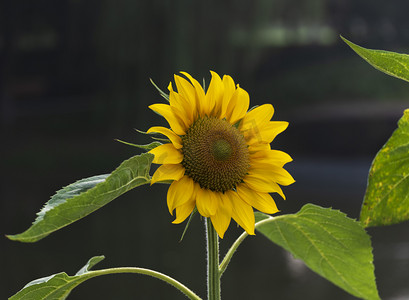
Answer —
57 286
391 63
331 244
81 198
387 195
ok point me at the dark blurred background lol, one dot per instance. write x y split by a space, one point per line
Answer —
75 75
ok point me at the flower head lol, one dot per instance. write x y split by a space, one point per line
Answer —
219 155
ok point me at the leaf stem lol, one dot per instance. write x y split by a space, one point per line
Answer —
232 250
173 282
213 274
236 244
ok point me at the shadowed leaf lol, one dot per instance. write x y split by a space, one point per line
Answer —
57 286
81 198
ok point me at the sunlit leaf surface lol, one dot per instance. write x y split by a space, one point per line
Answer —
391 63
387 196
331 244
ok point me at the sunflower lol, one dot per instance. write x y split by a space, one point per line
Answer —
218 157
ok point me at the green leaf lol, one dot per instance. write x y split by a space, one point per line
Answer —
147 147
391 63
81 198
331 244
387 195
57 286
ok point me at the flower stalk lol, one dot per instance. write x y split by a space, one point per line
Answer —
213 274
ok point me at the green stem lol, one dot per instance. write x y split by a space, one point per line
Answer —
236 244
213 275
232 250
185 290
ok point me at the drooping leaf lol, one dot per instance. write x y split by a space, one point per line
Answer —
144 147
391 63
81 198
387 195
57 286
331 244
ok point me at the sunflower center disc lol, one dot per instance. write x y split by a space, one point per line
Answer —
221 150
215 154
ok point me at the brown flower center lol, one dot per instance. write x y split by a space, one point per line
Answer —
215 154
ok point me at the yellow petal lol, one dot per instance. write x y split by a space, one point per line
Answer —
206 202
187 91
182 105
271 173
166 154
238 106
254 148
168 172
200 94
261 201
183 211
262 185
171 196
179 193
214 95
257 117
229 89
221 219
172 116
242 212
173 137
266 133
273 157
